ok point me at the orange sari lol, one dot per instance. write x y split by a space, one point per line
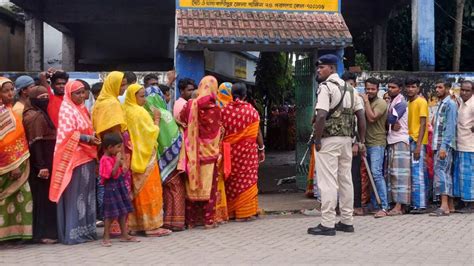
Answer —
241 123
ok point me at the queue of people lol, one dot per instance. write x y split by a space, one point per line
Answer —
73 157
418 165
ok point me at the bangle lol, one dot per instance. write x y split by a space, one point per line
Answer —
261 149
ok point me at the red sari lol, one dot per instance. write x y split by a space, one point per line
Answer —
241 123
201 117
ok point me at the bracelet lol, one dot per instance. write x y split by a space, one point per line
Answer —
261 149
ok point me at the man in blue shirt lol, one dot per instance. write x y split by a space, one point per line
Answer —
444 143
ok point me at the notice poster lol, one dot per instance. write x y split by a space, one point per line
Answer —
274 5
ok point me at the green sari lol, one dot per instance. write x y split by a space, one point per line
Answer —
169 139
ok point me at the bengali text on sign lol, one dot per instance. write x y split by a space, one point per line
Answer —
276 5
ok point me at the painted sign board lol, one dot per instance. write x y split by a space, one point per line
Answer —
240 67
273 5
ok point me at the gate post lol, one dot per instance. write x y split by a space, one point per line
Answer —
305 98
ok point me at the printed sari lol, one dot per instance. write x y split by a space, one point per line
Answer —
16 205
72 179
201 117
146 181
241 123
169 147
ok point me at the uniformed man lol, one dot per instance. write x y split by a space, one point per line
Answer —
336 105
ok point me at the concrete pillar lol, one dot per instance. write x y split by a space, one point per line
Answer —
68 53
34 54
423 35
379 55
189 64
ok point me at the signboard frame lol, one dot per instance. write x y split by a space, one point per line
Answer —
178 6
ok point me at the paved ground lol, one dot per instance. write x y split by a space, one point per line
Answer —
278 240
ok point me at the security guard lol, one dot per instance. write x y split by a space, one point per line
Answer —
333 129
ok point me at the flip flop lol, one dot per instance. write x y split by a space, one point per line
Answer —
130 239
159 233
106 243
381 213
395 213
439 212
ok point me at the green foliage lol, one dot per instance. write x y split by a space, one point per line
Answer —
361 60
444 26
274 79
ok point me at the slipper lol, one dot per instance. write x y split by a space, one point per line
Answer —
381 213
106 243
130 239
159 233
439 212
48 241
211 226
395 213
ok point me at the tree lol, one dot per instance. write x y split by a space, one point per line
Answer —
274 80
458 34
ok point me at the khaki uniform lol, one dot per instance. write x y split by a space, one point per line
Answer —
334 160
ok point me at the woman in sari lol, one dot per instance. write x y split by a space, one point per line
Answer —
73 176
224 97
16 205
202 120
146 181
108 117
169 146
241 124
41 136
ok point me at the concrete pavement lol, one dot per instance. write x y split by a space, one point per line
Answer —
278 240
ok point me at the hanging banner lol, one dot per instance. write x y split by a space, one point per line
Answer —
273 5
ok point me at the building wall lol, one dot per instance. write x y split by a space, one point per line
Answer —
226 64
12 40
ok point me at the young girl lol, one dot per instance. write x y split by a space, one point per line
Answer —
117 203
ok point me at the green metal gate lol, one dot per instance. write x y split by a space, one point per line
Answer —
305 98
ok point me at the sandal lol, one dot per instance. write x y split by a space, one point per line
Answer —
439 212
395 212
211 226
381 213
48 241
130 239
106 243
158 232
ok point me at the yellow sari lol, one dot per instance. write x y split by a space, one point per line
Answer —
224 97
146 181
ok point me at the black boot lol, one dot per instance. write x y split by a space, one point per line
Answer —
344 227
322 230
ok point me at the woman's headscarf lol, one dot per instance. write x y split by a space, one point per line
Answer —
13 144
107 112
203 131
143 132
37 123
4 81
224 95
169 139
69 152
